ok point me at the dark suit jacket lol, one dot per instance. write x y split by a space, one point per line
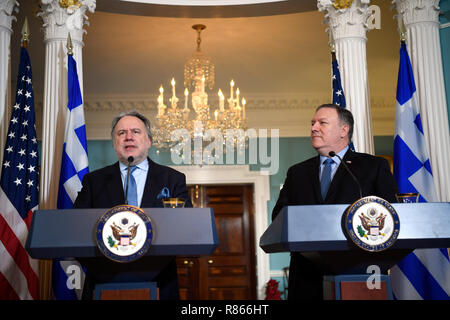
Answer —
103 188
302 187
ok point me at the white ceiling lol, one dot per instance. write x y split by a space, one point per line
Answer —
271 54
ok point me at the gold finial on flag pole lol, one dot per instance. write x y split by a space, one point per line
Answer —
25 33
69 45
401 28
333 47
331 42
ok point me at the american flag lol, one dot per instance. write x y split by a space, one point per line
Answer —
19 192
338 92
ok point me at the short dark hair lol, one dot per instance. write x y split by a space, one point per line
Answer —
132 113
344 115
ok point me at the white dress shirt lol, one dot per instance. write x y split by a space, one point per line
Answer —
334 165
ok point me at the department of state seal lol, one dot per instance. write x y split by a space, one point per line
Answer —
372 224
124 233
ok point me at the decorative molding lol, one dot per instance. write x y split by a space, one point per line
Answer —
58 20
348 22
418 11
7 7
142 102
288 112
445 25
256 102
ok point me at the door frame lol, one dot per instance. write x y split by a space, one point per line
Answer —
241 174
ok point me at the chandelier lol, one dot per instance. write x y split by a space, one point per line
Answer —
225 125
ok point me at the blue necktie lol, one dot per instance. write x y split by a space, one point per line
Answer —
325 181
132 189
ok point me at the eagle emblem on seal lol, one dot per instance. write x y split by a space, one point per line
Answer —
373 223
123 233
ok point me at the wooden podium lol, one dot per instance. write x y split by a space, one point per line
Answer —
71 233
316 232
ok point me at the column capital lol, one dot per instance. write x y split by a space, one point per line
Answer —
61 17
414 11
7 8
346 18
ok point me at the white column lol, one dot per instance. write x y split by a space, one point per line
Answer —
422 37
6 18
348 26
58 22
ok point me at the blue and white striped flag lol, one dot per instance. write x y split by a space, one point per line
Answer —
68 275
425 273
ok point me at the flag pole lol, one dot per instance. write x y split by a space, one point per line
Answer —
25 33
69 45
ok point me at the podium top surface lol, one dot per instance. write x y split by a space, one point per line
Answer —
71 232
319 228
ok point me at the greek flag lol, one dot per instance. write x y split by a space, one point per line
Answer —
68 275
425 273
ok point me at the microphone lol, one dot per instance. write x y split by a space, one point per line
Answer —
130 160
332 154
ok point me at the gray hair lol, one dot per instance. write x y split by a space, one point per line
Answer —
132 113
344 115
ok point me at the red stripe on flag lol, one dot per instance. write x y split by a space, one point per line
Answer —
6 291
28 219
20 256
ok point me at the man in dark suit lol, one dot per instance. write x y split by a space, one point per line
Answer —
104 188
331 130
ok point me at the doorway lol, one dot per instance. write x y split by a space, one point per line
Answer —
229 273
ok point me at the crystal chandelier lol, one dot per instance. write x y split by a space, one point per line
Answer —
227 122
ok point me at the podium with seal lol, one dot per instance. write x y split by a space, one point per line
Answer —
321 234
133 250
